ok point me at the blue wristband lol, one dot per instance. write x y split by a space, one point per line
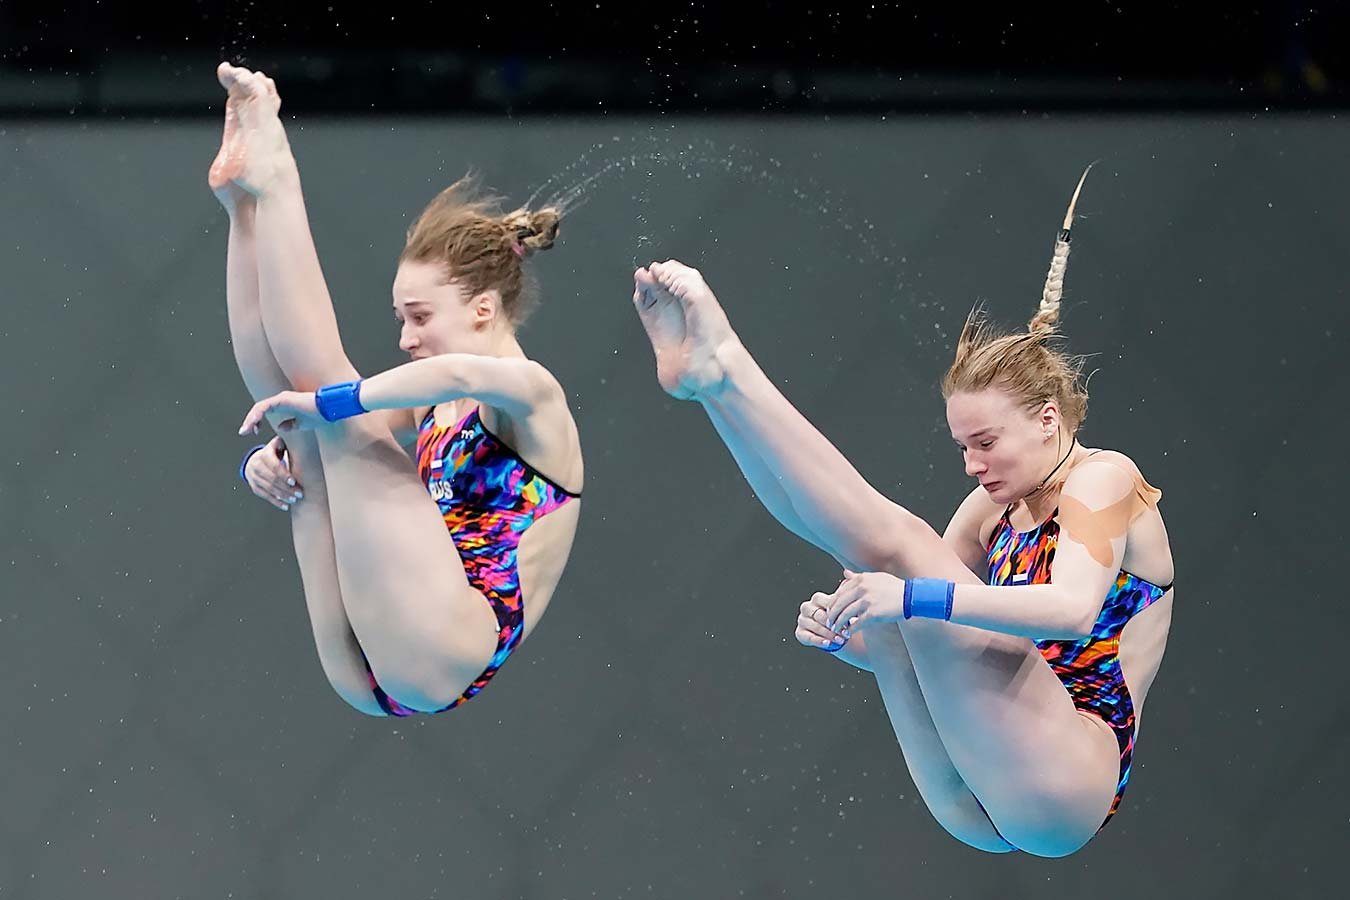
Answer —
339 401
244 462
929 598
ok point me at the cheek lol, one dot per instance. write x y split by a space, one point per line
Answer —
1006 460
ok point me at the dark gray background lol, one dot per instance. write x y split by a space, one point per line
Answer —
168 731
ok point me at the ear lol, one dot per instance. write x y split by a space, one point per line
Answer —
486 306
1047 419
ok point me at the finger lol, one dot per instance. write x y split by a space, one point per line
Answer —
820 599
262 492
285 492
274 470
843 598
286 487
816 629
845 618
255 415
812 638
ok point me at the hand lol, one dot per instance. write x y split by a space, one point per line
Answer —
863 599
811 630
268 474
290 410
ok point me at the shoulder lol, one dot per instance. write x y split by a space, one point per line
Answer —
534 405
1109 476
1104 475
537 390
1111 458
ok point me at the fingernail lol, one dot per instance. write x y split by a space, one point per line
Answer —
291 482
285 508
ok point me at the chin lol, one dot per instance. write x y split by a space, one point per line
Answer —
999 493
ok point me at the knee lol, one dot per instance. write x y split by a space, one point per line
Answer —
421 693
363 701
353 686
1048 842
1052 823
422 683
961 815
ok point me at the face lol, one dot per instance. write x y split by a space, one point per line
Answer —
437 316
1009 449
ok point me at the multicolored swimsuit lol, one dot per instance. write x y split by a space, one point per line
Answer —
1088 668
487 496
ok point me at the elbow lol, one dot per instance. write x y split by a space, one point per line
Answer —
1082 623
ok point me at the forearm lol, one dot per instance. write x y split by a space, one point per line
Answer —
422 382
1037 611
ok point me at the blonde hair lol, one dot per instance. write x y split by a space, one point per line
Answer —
1026 364
463 229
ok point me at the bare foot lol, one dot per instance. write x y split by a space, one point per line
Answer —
254 151
686 326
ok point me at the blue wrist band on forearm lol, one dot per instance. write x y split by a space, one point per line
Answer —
244 462
339 401
929 598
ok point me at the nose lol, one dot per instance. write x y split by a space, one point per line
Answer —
974 465
407 341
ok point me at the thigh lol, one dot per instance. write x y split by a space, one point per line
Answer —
403 583
944 791
1045 772
312 534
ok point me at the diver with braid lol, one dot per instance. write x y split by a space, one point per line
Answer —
1014 695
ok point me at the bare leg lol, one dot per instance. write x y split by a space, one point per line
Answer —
930 766
311 530
937 778
425 631
1044 773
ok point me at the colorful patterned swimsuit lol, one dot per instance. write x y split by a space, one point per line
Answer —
488 496
1088 668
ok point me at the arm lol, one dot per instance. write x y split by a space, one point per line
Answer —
1096 506
515 385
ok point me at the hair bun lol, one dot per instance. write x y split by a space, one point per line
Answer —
533 230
